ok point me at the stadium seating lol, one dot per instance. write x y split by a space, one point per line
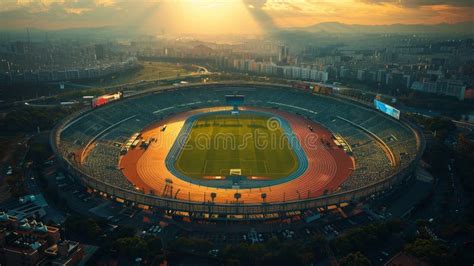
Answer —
106 128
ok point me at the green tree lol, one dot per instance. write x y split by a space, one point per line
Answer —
131 246
355 259
427 249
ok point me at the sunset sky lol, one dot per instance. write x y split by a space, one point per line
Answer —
226 16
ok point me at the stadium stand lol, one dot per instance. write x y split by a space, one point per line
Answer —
102 132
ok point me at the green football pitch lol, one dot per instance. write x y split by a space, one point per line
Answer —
243 144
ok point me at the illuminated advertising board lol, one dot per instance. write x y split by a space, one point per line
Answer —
104 99
389 110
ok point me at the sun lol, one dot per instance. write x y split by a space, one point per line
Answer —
204 17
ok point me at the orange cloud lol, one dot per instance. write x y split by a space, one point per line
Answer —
309 12
227 16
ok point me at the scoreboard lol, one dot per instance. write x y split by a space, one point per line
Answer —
385 108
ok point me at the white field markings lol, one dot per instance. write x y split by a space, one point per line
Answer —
213 163
265 166
205 167
182 148
225 171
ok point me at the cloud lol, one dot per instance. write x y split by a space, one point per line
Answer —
256 10
419 3
255 3
73 13
183 16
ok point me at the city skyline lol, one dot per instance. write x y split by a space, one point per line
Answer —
226 17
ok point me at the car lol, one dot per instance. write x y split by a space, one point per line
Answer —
157 229
214 252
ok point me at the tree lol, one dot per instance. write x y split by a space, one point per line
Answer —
317 245
427 249
131 246
27 120
362 238
355 259
190 245
247 254
86 227
122 232
154 245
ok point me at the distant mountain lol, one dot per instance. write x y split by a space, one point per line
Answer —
97 33
336 27
326 29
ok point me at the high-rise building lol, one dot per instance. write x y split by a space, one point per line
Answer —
99 51
454 88
283 53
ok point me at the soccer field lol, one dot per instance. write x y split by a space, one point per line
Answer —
246 144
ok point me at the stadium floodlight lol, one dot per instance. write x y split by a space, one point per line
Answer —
213 196
237 196
264 196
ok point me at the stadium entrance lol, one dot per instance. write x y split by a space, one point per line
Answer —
235 101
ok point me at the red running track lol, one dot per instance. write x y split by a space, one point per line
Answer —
328 165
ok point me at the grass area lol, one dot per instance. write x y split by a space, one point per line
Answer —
218 143
149 71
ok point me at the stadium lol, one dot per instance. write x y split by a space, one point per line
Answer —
236 150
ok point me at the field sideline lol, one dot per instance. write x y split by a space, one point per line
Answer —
327 165
218 143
